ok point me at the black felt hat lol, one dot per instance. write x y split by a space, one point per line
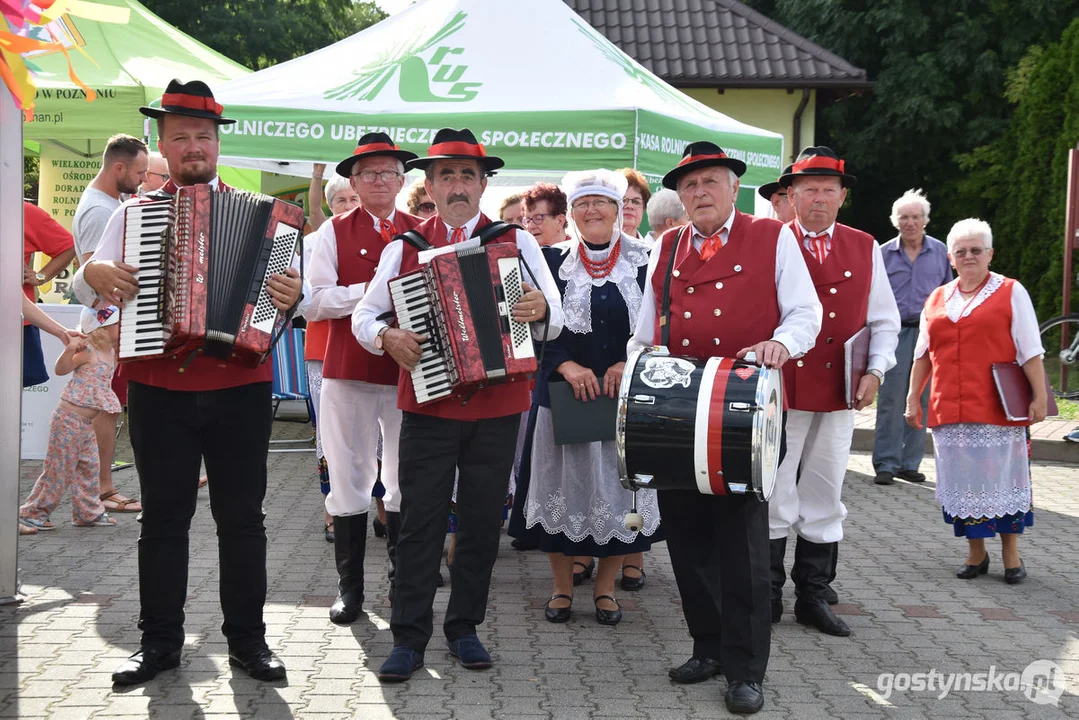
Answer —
373 145
453 144
699 155
193 99
767 190
819 161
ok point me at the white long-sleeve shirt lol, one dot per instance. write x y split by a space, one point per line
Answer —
377 301
111 249
330 300
799 309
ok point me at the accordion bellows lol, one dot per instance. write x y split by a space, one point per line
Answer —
204 257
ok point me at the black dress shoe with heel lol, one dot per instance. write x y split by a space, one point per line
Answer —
259 663
815 612
558 615
969 572
696 669
607 617
144 666
580 577
1014 576
744 697
628 582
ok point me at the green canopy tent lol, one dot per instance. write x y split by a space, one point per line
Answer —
126 64
488 66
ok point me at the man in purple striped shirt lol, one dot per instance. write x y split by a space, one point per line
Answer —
917 264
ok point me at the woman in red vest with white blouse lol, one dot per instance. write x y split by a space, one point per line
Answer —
983 470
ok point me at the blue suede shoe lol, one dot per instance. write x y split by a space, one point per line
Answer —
400 665
471 652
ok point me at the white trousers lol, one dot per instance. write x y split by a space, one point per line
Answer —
352 413
810 502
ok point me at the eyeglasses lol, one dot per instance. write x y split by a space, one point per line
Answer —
537 218
426 207
164 176
975 252
779 194
597 204
369 176
633 202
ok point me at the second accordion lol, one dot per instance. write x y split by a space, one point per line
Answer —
204 257
462 300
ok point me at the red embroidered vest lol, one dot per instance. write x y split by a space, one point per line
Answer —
725 304
511 398
203 372
816 381
963 354
359 247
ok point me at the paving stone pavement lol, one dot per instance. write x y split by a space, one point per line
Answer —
896 582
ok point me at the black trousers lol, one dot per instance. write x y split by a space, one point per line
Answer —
719 553
433 451
171 433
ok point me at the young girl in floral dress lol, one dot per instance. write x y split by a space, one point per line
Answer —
72 457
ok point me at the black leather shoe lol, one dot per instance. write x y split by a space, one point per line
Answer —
816 613
1013 576
346 608
144 666
777 611
744 697
628 582
884 478
969 572
260 664
607 617
399 666
695 670
558 615
911 476
829 596
580 577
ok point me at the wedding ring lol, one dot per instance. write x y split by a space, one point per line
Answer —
533 311
116 291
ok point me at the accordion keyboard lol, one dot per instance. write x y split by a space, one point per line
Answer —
142 330
415 311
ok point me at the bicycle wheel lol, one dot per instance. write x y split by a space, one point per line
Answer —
1060 337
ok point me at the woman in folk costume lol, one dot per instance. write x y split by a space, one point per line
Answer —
983 469
575 493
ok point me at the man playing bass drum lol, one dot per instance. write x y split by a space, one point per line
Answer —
738 284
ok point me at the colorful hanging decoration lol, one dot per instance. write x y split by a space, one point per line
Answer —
16 39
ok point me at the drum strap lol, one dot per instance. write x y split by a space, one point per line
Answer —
665 308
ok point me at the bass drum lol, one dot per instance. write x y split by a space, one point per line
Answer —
712 425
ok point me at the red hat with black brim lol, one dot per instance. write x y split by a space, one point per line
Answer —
767 190
192 99
818 161
453 144
699 155
374 144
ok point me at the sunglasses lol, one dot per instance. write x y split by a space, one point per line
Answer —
426 207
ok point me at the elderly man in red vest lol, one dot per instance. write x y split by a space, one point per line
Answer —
359 390
737 284
474 435
852 283
184 411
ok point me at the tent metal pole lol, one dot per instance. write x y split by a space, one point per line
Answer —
11 246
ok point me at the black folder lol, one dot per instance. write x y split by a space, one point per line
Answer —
580 422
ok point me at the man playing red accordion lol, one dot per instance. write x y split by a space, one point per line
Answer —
182 415
474 435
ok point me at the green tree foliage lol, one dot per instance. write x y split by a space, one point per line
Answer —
940 70
1020 178
261 33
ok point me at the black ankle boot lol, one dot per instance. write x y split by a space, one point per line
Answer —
812 567
393 531
777 550
830 595
349 547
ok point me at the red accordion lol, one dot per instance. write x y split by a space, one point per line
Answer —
204 257
462 300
